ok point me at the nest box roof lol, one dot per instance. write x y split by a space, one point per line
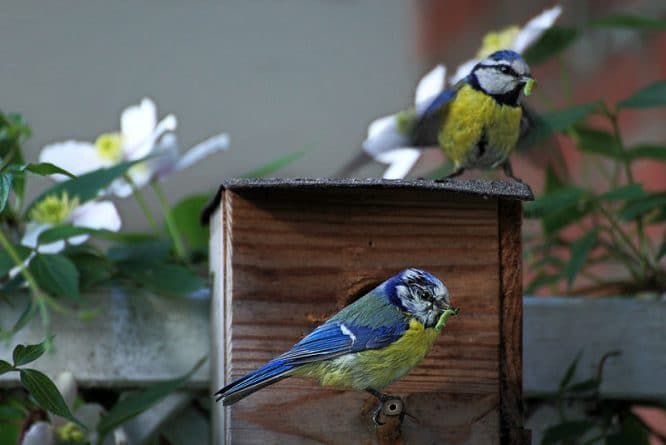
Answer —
511 190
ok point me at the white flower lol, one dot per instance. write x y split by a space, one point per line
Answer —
55 210
169 161
387 141
513 38
138 137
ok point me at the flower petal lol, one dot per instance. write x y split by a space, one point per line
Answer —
31 235
40 433
97 215
137 123
400 162
67 386
531 32
202 150
383 136
166 156
74 156
89 415
429 87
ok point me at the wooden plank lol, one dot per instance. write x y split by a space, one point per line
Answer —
511 315
299 256
134 341
557 329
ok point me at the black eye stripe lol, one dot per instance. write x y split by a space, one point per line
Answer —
505 69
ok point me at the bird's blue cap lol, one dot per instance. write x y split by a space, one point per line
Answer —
391 284
505 54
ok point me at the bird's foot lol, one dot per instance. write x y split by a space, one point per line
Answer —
389 406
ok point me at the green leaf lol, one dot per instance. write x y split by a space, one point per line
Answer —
136 403
46 394
163 278
624 193
186 215
28 314
653 95
23 355
150 250
662 250
93 269
630 22
638 207
56 274
42 169
552 42
7 263
276 164
559 208
552 122
5 188
585 386
5 367
88 186
551 203
632 432
591 140
564 431
571 370
647 151
580 251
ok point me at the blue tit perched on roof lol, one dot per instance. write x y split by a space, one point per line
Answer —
477 122
368 345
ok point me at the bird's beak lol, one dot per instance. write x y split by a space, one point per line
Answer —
529 83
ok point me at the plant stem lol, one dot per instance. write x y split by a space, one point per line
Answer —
141 200
170 222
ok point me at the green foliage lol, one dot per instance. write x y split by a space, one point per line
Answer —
601 421
41 388
136 403
554 41
57 275
186 214
87 186
163 279
23 355
653 95
630 22
599 226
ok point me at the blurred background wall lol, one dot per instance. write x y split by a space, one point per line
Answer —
279 75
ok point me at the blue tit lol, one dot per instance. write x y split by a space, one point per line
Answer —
477 122
368 345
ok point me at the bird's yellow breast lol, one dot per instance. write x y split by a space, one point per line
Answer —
375 368
474 116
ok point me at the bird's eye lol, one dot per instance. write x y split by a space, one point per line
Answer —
505 69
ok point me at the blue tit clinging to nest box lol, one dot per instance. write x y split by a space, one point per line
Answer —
367 345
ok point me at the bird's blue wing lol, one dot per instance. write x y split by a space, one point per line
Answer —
427 127
334 339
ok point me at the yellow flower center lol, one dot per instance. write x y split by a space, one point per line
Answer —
70 432
497 40
54 209
110 146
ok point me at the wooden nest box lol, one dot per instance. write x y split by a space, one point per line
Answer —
287 254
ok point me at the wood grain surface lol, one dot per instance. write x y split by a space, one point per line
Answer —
511 314
294 257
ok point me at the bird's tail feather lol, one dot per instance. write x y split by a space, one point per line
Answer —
268 374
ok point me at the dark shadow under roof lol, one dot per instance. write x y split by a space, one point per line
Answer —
512 190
